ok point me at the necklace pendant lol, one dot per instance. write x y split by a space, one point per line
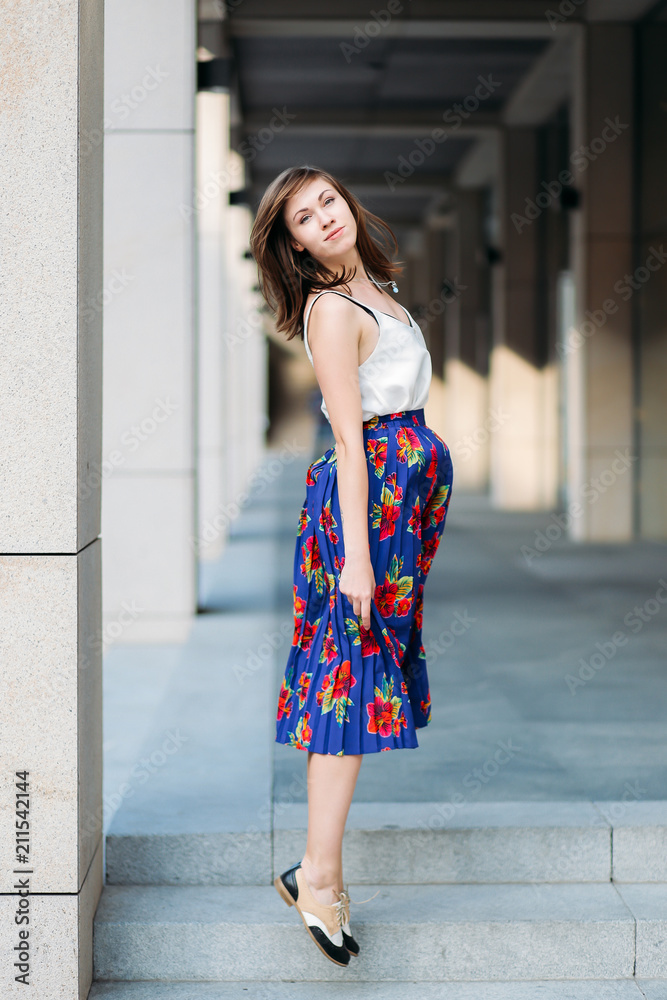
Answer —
394 286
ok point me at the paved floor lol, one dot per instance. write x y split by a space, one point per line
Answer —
555 990
562 657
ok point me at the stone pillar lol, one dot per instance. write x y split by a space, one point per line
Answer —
213 185
232 355
50 571
523 391
148 508
433 270
652 280
598 351
469 423
245 355
420 250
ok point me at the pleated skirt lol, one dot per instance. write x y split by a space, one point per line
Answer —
348 690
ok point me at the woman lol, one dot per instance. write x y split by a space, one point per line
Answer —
375 509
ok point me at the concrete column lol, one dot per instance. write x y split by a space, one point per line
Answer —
213 184
232 358
433 269
652 279
523 393
598 351
50 569
245 357
148 505
467 418
420 251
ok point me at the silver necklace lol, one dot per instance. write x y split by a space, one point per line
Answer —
394 286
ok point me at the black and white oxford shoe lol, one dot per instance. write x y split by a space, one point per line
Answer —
324 922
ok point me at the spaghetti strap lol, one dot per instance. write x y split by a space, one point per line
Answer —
345 296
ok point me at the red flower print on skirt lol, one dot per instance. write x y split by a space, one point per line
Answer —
348 689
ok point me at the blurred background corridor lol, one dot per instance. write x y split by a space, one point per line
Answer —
518 155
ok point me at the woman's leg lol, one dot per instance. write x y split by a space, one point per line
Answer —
331 781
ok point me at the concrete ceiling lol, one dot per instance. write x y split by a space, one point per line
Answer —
362 114
361 96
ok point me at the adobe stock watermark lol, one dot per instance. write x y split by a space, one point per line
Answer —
472 442
127 615
433 648
141 772
245 328
257 483
364 34
131 439
450 291
220 180
258 142
473 781
616 810
262 655
296 790
625 288
122 108
580 159
116 283
608 648
217 184
564 867
58 682
566 8
459 625
592 490
454 117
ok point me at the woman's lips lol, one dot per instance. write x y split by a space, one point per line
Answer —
332 236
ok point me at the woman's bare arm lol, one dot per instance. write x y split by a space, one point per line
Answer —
334 333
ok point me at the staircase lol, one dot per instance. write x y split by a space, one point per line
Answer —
548 899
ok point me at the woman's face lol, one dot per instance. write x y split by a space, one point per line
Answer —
320 221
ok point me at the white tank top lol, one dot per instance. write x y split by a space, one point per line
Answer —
397 374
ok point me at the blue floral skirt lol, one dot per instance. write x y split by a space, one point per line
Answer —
348 690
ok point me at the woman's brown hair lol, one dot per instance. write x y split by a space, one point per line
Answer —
286 275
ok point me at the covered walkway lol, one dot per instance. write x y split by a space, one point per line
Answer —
533 810
522 169
558 653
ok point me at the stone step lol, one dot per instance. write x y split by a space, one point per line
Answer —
419 933
582 989
427 842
